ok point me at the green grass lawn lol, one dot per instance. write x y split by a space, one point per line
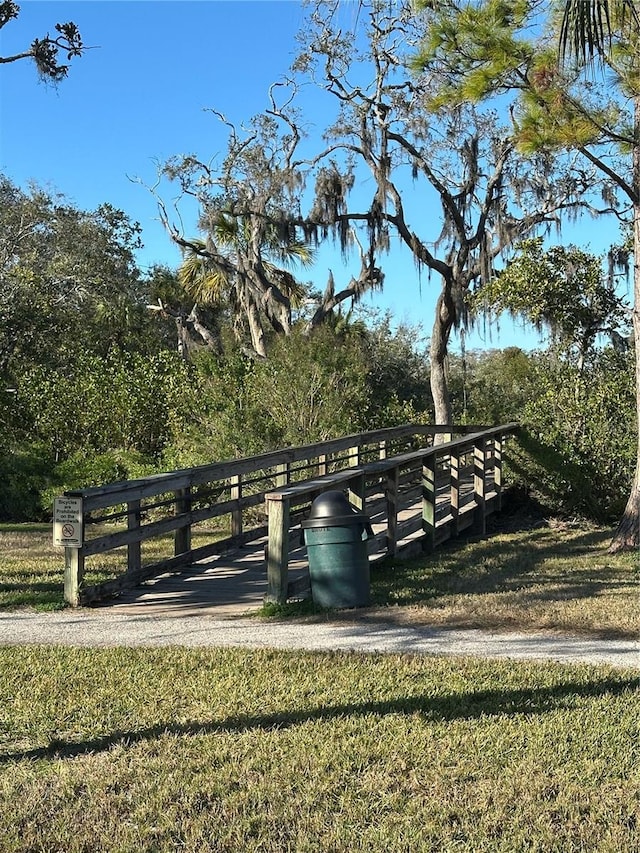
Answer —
235 750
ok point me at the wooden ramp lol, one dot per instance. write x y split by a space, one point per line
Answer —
232 584
415 500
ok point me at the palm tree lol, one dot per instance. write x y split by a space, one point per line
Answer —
590 31
228 268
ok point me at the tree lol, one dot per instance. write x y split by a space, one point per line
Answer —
68 281
561 289
588 28
218 271
460 162
247 207
195 327
45 51
486 50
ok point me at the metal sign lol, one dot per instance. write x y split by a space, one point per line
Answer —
67 522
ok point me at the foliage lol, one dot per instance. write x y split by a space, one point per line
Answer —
337 380
576 451
588 28
91 422
398 372
95 405
580 434
490 387
561 288
69 281
82 470
248 206
24 472
45 51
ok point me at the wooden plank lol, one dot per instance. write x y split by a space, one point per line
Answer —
479 483
454 489
182 537
236 511
134 552
391 495
357 492
497 470
429 501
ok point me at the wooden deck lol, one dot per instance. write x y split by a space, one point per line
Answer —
415 499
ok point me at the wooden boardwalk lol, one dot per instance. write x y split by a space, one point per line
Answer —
232 584
415 499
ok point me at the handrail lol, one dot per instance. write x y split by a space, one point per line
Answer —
174 502
433 469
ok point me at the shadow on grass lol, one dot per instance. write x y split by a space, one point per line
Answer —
467 706
467 567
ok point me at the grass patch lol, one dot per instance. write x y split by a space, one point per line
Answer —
229 750
31 568
552 577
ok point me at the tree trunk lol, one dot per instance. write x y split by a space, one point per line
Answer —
442 325
255 327
627 536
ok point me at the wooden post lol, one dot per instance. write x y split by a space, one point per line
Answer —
278 551
283 475
382 450
182 536
479 484
392 511
73 574
322 465
354 456
357 492
429 502
134 551
454 468
236 514
497 470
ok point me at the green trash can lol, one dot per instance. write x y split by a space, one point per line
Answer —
336 538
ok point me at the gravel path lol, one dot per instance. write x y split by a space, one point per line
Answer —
96 628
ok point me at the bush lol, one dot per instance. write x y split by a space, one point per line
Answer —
84 470
577 453
24 474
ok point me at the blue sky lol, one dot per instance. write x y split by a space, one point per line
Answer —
141 96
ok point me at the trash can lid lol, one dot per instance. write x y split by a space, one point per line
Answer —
332 509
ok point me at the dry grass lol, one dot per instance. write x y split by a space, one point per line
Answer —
552 576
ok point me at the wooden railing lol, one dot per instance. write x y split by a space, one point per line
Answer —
415 500
230 493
